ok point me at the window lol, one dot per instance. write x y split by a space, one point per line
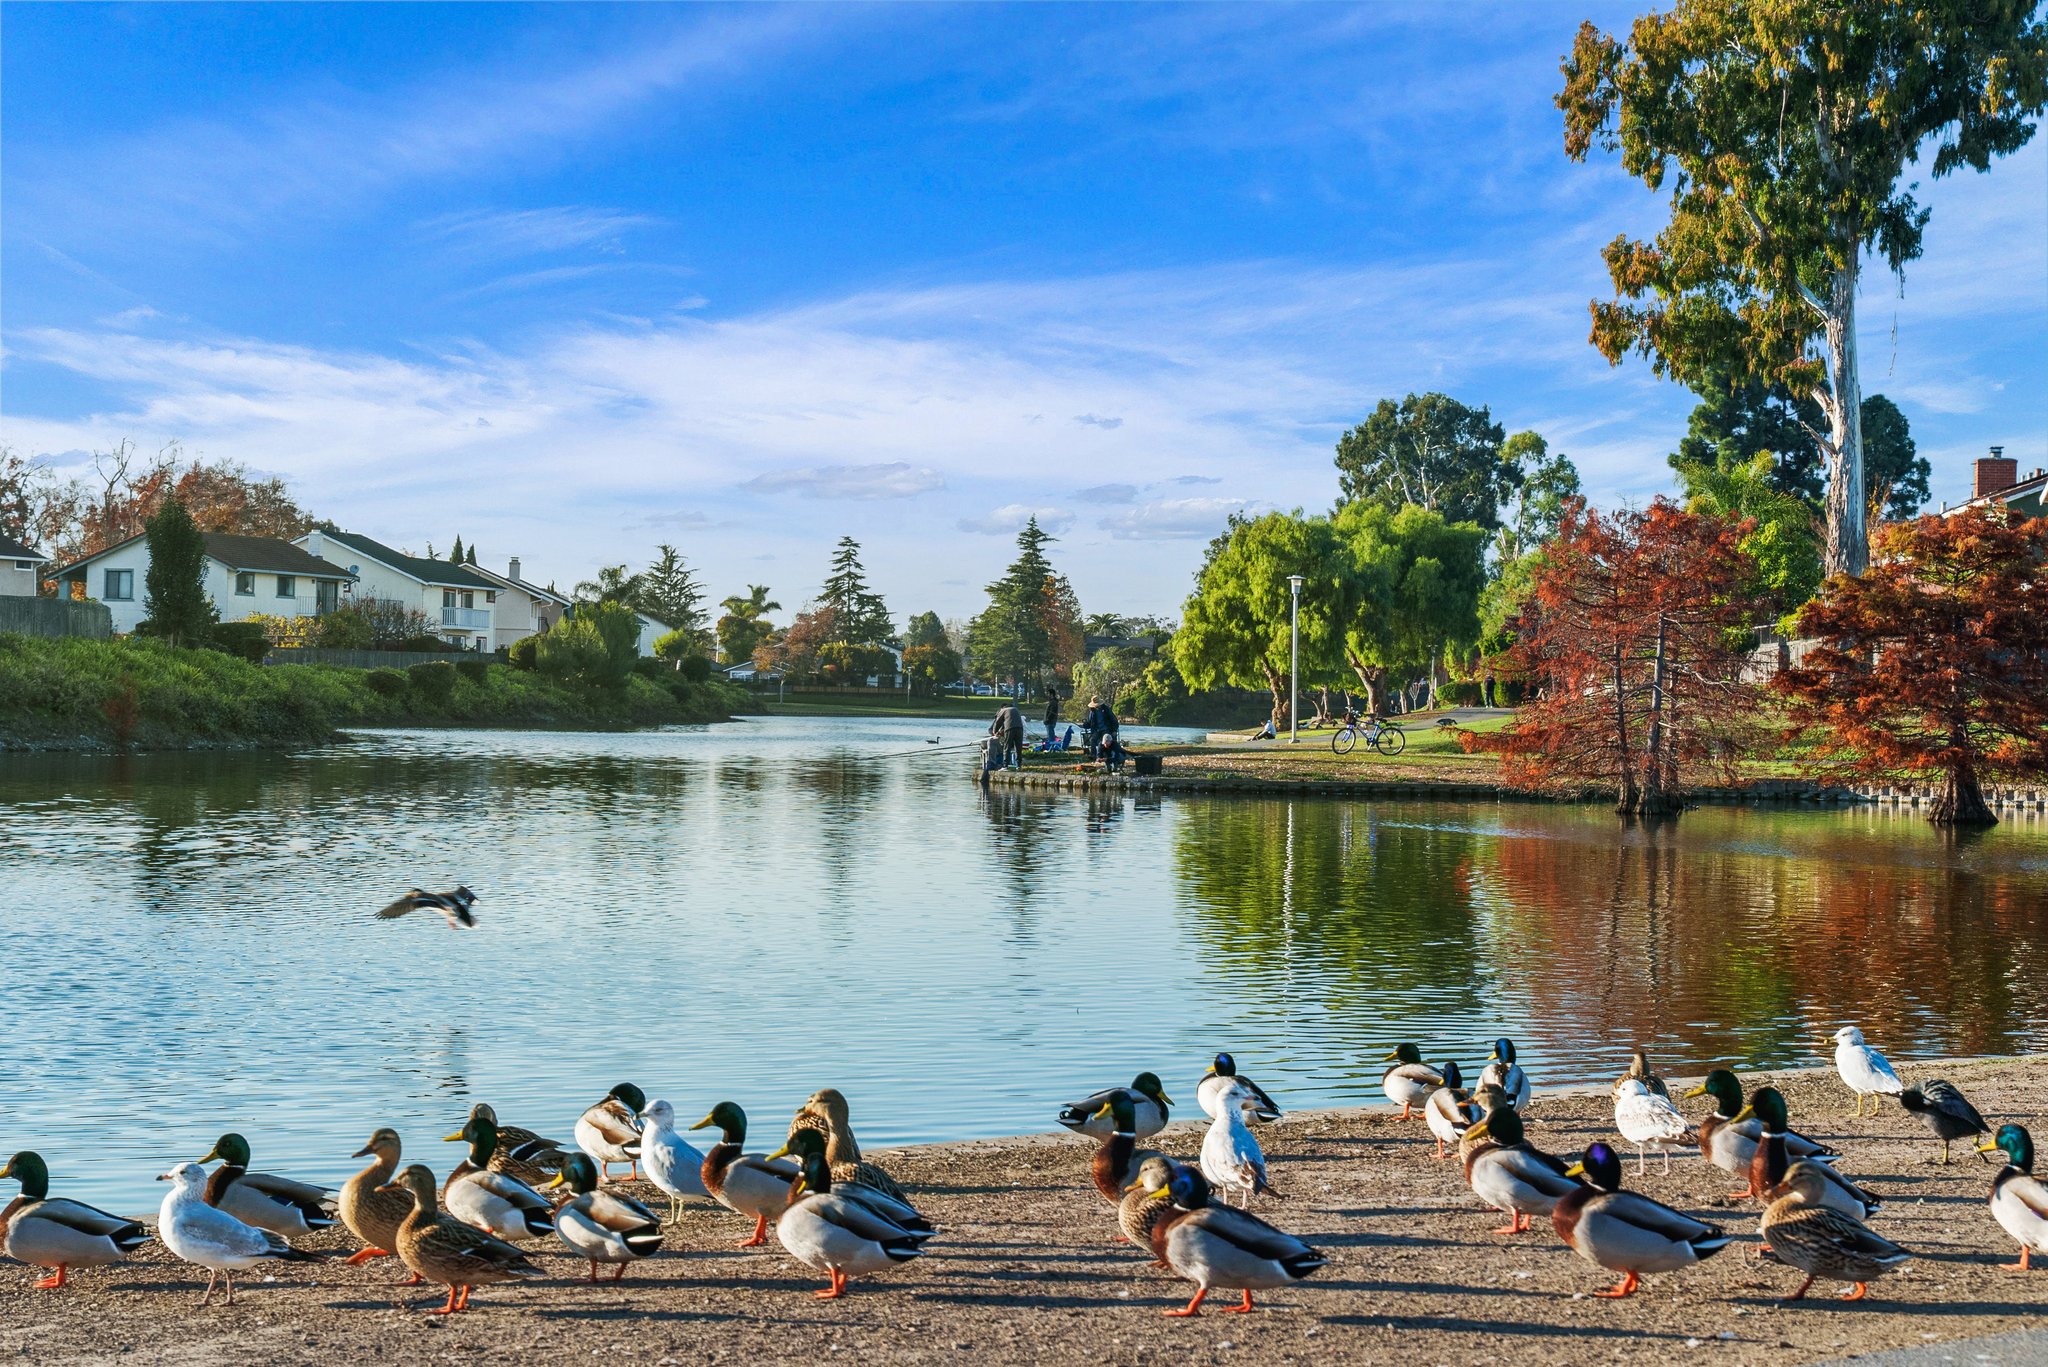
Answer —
245 584
468 599
491 596
447 598
118 586
482 644
24 564
287 586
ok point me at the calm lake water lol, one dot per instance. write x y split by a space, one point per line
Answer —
757 910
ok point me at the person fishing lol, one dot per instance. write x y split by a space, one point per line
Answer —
1008 732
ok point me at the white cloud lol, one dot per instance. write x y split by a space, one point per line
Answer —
1178 519
892 479
1109 493
518 232
1090 420
1011 517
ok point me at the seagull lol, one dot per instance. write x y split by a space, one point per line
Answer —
212 1238
453 906
1864 1069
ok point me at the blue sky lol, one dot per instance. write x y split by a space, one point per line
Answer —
570 280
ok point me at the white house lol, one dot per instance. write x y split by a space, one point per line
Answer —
20 564
523 609
244 575
460 603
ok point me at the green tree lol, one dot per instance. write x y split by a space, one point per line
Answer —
669 590
931 667
1735 420
1894 472
472 552
1109 672
1235 628
1783 546
859 615
455 557
1782 129
1422 576
925 629
174 599
1536 506
613 584
1432 451
594 646
745 625
1013 636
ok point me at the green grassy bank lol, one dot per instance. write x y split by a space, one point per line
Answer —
141 694
829 703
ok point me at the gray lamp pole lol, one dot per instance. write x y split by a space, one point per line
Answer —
1294 661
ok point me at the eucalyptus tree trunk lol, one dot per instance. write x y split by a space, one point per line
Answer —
1848 536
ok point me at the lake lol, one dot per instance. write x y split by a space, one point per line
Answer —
756 910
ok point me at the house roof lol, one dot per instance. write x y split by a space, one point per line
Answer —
2033 489
10 549
445 573
265 553
524 586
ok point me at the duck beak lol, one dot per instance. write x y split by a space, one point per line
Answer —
780 1152
1988 1146
211 1154
1575 1170
557 1180
702 1123
8 1171
1128 1186
1164 1099
389 1187
1100 1111
1481 1130
1700 1090
452 1138
363 1152
796 1186
1210 1071
1156 1195
1391 1057
1745 1113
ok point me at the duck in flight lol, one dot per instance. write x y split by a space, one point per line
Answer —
453 906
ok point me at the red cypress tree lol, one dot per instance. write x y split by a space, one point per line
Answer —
1934 661
1633 632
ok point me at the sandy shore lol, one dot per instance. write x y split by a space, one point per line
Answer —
1025 1269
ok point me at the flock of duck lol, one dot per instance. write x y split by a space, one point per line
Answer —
846 1217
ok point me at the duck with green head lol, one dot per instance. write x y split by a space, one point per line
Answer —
808 1142
610 1130
2019 1201
1221 1248
745 1183
493 1201
1449 1111
838 1236
1730 1144
520 1152
1410 1080
1772 1169
1149 1106
278 1204
1503 1072
1624 1231
1509 1173
59 1234
602 1226
1117 1160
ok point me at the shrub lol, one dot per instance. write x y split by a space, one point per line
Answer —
244 640
695 668
476 671
522 654
647 667
1459 693
423 642
388 682
596 646
676 645
436 681
345 628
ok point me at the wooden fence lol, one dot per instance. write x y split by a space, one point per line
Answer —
55 617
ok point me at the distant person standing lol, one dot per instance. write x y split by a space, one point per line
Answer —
1008 728
1052 713
1487 685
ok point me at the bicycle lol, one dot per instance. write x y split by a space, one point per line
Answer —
1382 734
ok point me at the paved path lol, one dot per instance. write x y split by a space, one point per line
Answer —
2021 1348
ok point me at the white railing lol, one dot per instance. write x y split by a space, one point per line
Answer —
467 619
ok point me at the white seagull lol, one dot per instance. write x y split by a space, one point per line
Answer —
1231 1157
1864 1069
1648 1121
672 1162
212 1238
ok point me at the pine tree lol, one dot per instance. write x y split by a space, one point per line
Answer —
455 556
859 615
669 590
175 586
1011 639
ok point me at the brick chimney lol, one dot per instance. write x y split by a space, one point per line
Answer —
512 570
1994 472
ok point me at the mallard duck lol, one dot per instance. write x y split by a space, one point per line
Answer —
521 1153
808 1142
673 1163
1218 1081
454 907
1864 1069
1625 1232
1149 1101
1773 1171
1509 1173
1485 1101
1219 1248
1730 1144
1648 1121
1448 1112
1231 1157
602 1226
1639 1071
745 1183
278 1204
842 1150
371 1211
1822 1241
493 1201
213 1238
1503 1072
610 1130
1116 1162
60 1234
1410 1080
1943 1109
1137 1213
2019 1201
840 1237
440 1248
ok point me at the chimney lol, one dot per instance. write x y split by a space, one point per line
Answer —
1994 472
313 544
512 570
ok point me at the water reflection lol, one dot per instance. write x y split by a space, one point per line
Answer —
759 910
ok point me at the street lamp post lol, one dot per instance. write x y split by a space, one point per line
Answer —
1294 660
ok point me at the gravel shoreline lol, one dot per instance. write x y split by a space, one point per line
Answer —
1025 1268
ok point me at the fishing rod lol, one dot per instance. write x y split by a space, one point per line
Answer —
912 754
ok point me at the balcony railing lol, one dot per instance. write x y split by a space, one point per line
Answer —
466 619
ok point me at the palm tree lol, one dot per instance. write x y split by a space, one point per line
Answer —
612 585
752 608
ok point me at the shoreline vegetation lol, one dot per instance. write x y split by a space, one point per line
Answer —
1025 1267
140 694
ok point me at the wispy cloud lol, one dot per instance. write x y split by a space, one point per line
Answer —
892 479
1106 424
519 232
1109 493
1011 517
1178 519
